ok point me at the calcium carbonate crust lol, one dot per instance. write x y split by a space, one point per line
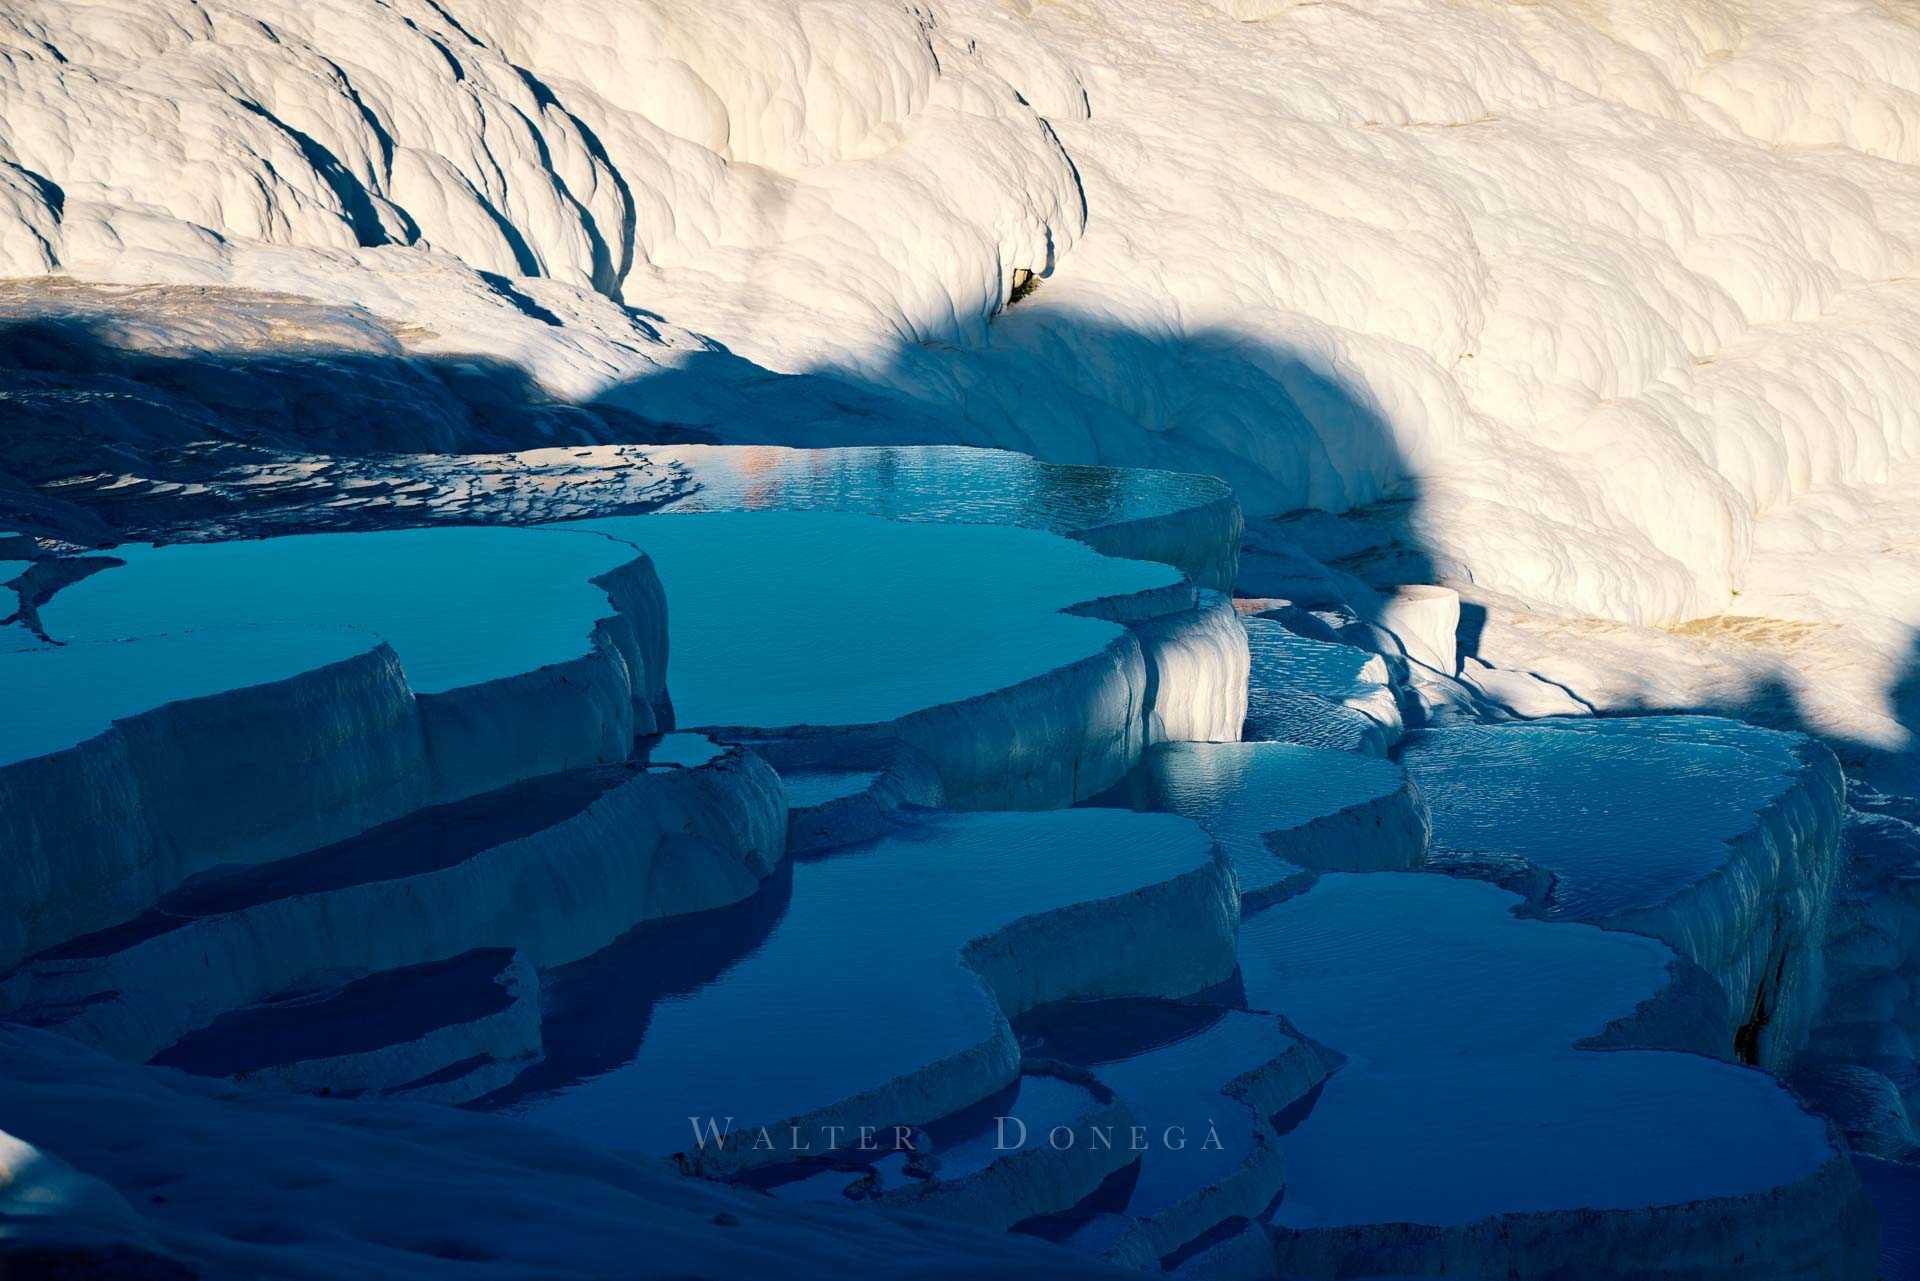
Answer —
100 830
658 844
1558 275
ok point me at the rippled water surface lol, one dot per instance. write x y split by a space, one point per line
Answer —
1624 813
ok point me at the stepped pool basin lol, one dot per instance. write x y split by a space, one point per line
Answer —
61 695
1275 807
458 605
1434 990
854 981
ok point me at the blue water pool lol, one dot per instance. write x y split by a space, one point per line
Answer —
944 483
57 696
1462 1096
1624 812
459 605
854 978
1895 1192
1243 792
1171 1065
1300 691
821 618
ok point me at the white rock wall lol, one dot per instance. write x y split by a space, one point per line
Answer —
96 833
657 845
1600 287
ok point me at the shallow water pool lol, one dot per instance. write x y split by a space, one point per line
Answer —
1624 812
821 618
58 696
857 977
944 483
1462 1096
459 605
1241 792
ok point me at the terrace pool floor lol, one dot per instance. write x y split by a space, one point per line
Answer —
822 618
1438 994
858 979
776 618
59 695
1242 792
459 605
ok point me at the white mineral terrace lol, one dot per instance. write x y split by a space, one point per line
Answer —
1343 576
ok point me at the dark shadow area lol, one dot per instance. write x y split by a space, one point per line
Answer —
425 841
596 1011
383 1009
103 436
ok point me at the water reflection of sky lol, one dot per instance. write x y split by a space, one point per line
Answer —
824 618
857 981
930 483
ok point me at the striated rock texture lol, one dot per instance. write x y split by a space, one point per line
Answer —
99 830
557 868
1556 273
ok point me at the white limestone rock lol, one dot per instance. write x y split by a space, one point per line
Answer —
558 868
1554 273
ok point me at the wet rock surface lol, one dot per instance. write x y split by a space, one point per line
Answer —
1269 947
